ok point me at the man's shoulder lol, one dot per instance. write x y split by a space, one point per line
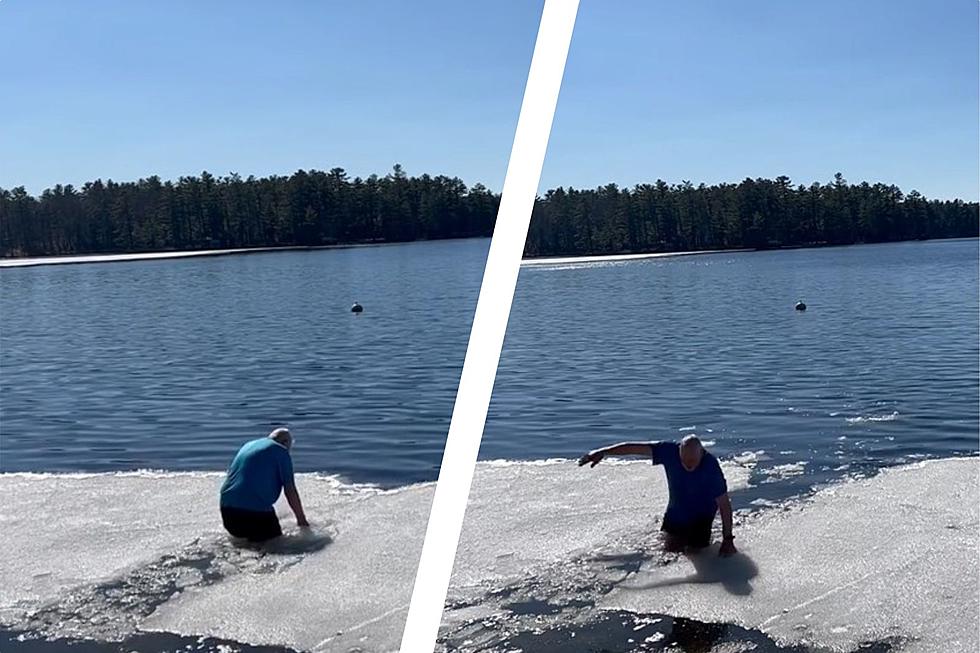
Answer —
277 451
251 445
263 447
665 448
712 461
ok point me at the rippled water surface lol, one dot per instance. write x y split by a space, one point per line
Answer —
881 367
172 364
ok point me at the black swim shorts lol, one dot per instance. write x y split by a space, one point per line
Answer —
695 533
252 525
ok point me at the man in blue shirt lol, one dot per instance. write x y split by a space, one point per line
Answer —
259 472
696 486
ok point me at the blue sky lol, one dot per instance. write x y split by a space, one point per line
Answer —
882 90
706 91
125 89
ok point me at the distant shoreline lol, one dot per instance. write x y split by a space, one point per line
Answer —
151 256
611 258
75 259
601 258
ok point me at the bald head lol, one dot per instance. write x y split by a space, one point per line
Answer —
691 452
283 437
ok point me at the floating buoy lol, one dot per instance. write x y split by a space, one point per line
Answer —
800 306
356 308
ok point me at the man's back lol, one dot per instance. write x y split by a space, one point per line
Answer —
258 473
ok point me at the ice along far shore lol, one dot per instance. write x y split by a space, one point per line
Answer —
31 261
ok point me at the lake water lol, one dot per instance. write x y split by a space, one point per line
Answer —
882 366
172 364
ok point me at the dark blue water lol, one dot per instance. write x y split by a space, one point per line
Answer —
881 368
172 364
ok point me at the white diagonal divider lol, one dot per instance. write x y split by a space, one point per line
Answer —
489 325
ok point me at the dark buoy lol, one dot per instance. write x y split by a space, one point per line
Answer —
356 308
800 306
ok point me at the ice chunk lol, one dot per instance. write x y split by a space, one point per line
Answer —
352 593
788 470
894 556
63 530
525 514
862 419
90 555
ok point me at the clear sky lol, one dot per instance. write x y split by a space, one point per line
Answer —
883 90
720 90
128 88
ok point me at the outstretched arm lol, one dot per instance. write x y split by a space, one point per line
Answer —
727 536
621 449
292 497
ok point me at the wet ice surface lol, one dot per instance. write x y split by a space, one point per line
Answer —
18 642
552 556
886 563
522 529
61 531
102 556
895 555
522 514
353 595
621 631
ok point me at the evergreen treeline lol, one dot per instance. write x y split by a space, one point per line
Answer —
208 212
325 208
756 213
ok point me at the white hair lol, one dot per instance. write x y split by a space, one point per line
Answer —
690 441
282 436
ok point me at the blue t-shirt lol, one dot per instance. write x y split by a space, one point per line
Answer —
259 472
692 494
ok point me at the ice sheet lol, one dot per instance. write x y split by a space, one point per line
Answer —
92 555
526 514
353 593
62 530
545 263
144 256
356 592
109 553
112 258
894 556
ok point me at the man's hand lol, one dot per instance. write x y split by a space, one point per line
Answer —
592 457
727 536
292 497
727 548
621 449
